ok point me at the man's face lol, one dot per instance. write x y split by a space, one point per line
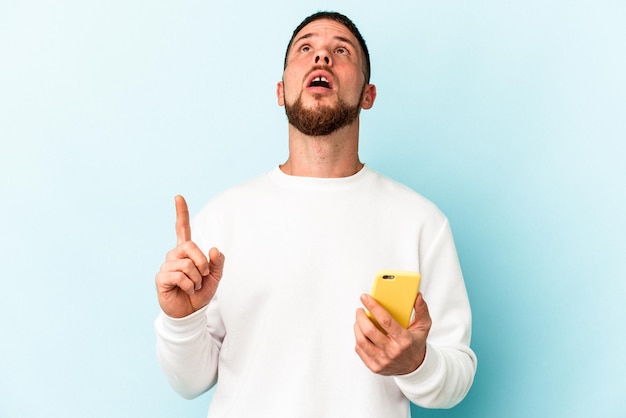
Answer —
323 86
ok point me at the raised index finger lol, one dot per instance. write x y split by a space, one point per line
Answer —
183 230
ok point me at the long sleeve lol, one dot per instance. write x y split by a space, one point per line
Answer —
188 350
448 370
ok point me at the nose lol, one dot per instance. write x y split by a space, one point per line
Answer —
322 56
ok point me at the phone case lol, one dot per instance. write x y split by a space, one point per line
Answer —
396 291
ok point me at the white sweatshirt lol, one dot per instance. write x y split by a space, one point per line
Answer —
278 336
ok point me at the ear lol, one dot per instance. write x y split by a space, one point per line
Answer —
369 95
280 93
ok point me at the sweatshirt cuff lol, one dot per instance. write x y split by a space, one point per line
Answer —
185 327
424 372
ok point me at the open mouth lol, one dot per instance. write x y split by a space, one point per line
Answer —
320 81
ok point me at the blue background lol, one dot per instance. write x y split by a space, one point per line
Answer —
510 115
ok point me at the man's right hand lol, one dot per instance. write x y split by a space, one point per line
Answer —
188 279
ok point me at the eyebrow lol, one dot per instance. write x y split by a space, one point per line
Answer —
337 37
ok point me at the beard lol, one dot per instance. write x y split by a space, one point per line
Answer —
321 120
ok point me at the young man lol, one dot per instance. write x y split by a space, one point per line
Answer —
279 334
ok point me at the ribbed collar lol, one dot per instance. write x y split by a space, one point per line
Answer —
317 183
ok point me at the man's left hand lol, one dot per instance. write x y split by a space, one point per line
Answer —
402 350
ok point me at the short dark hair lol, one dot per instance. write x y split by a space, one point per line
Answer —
345 21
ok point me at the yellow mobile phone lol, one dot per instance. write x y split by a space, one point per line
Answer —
396 291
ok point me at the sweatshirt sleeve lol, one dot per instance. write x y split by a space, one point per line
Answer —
188 349
448 370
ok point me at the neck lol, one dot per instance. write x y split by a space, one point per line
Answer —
334 155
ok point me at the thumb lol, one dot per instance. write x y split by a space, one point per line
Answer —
421 319
216 262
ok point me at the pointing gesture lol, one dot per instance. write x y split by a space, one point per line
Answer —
188 279
183 230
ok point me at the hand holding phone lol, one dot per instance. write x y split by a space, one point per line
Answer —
395 291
